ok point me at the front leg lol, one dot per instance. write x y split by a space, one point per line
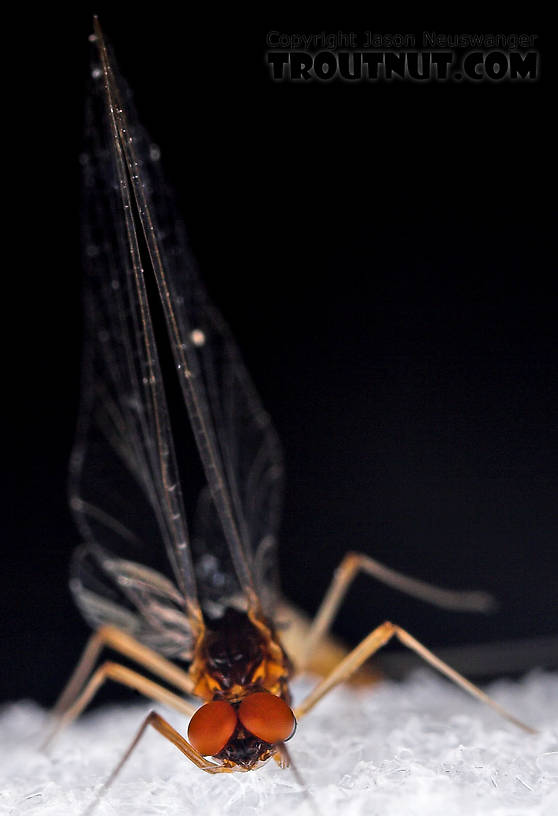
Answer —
172 735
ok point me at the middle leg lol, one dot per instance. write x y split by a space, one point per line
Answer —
115 638
127 677
374 641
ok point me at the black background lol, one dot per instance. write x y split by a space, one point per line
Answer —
385 256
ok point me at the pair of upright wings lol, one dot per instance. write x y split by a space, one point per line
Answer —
137 568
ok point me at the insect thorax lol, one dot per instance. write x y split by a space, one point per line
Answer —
238 655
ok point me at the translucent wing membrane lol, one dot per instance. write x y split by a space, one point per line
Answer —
125 490
133 597
137 567
235 440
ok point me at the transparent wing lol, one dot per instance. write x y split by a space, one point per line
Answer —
137 599
237 445
136 567
124 486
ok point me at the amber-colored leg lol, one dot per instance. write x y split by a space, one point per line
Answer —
128 677
111 636
163 727
353 563
374 641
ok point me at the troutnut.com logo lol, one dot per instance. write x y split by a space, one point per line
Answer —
430 57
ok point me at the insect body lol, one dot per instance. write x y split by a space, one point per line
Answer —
244 671
155 593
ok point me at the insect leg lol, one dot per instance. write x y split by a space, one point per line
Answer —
121 642
353 563
374 641
163 727
128 677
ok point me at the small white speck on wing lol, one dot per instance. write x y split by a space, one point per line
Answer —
154 152
197 336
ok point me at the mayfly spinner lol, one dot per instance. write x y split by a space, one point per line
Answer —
196 610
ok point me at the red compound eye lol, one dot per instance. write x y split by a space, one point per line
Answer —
267 717
211 727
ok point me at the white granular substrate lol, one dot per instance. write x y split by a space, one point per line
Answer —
418 747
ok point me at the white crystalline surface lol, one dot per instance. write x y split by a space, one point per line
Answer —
419 747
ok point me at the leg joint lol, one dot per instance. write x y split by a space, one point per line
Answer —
348 567
351 559
108 667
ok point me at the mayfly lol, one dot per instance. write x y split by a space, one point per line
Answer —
198 611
